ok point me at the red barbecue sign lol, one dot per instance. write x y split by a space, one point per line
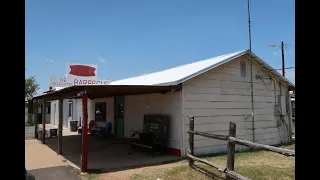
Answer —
82 70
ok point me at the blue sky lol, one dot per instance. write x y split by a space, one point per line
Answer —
129 38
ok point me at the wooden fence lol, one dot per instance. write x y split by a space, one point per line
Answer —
232 141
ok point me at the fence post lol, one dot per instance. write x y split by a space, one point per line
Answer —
191 140
231 148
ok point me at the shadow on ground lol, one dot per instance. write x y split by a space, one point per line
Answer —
56 173
106 154
206 172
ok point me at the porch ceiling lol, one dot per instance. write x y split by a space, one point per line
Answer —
100 91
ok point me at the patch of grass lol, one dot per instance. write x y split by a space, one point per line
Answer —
253 165
90 176
177 173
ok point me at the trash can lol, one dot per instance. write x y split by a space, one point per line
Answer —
53 132
73 126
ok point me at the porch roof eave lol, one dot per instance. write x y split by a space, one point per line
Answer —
102 91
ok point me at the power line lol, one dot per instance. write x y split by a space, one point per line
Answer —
286 68
276 45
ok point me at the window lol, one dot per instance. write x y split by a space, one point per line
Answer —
243 68
70 109
101 111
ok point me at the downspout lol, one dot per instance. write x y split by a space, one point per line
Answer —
289 116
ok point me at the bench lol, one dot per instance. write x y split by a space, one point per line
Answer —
154 136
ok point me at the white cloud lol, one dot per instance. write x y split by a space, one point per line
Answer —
102 60
51 60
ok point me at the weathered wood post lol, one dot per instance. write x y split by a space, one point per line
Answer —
43 111
231 149
35 112
60 128
191 140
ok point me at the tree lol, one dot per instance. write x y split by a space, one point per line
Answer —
31 87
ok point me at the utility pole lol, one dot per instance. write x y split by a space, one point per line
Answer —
282 51
282 54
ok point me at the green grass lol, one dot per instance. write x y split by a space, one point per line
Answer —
258 165
91 176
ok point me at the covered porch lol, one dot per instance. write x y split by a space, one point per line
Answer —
99 152
106 154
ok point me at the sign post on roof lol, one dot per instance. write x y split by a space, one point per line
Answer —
69 81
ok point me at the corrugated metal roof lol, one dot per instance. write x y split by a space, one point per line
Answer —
177 75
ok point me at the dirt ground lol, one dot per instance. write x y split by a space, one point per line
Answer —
125 174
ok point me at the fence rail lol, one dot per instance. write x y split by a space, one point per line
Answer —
286 152
232 141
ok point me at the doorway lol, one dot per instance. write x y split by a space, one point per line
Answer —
119 116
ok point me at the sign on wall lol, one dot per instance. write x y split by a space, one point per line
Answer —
73 81
87 71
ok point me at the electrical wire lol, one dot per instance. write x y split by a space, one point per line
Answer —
286 68
264 83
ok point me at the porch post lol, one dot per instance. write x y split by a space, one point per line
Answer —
43 122
60 128
35 112
84 158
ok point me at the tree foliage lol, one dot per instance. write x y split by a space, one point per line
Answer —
31 87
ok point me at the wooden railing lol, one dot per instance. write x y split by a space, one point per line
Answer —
232 141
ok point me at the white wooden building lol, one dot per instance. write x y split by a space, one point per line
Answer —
215 91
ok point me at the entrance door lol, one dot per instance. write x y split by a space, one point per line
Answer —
119 116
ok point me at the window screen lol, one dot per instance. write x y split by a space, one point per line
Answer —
243 68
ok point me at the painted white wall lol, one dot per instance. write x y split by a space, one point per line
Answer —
77 110
31 119
54 119
54 116
138 105
221 95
